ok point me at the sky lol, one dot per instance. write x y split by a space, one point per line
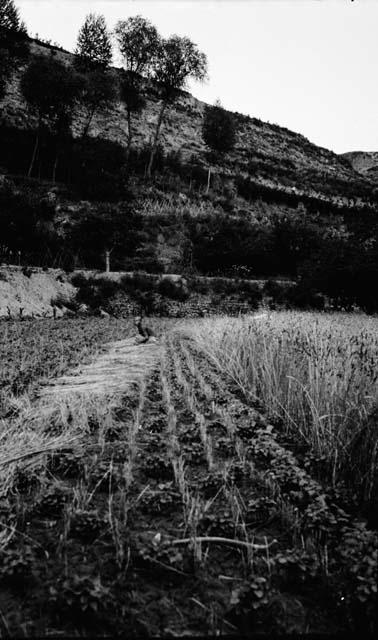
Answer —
308 65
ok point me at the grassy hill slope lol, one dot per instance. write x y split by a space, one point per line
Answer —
278 205
269 154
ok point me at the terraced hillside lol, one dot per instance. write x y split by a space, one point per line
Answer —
365 162
272 155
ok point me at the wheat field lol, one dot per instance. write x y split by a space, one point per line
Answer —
316 373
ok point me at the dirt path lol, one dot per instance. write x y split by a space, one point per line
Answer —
126 362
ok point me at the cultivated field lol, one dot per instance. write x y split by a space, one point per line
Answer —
225 491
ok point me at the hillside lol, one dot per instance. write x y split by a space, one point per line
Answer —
365 162
271 155
278 206
31 290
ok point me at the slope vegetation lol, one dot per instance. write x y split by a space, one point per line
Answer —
272 154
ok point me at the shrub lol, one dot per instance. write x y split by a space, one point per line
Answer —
174 290
199 285
79 280
16 565
27 272
94 292
85 600
64 301
137 282
251 293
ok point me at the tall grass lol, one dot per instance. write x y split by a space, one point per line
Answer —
48 425
317 373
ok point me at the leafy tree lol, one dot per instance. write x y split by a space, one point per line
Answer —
13 42
218 131
94 47
178 60
138 43
10 16
218 128
98 91
93 55
51 90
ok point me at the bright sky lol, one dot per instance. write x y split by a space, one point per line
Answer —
309 65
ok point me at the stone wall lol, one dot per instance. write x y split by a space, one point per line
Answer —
196 306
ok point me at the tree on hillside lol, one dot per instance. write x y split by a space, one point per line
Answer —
178 60
94 47
98 91
13 42
138 43
51 90
10 16
218 131
93 55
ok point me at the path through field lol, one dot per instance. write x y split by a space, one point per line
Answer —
180 512
126 362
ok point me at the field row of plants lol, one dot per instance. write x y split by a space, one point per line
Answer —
316 377
182 509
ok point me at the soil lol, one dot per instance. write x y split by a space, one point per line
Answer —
32 290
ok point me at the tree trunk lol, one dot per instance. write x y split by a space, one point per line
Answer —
130 133
107 261
88 123
55 167
34 154
156 139
208 180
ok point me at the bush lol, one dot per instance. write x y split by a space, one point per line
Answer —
61 301
174 290
221 285
79 280
94 292
252 294
303 297
137 282
199 285
276 291
82 599
298 296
